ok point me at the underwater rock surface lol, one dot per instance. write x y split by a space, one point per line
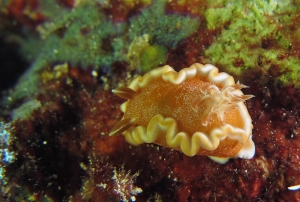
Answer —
55 121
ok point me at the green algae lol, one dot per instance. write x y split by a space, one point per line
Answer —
81 38
92 39
152 57
249 24
216 17
143 56
85 36
135 50
25 110
163 29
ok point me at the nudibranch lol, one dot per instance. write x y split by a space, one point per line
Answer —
197 110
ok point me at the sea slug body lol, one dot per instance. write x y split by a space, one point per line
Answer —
197 110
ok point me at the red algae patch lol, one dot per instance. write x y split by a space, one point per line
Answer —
55 141
197 111
24 12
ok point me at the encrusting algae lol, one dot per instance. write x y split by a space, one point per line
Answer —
198 111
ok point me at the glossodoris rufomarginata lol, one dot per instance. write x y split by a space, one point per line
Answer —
197 110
